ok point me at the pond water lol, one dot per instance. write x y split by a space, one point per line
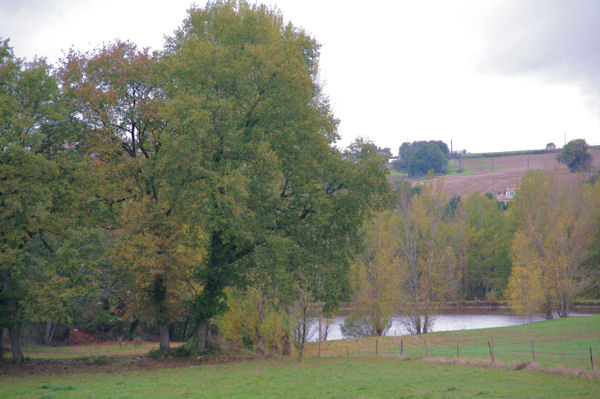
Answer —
446 322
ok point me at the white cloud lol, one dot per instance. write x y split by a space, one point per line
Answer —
492 76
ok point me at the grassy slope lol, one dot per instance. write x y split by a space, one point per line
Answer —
563 342
361 375
492 174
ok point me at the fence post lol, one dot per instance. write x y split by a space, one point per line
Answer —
532 351
457 350
376 349
401 347
591 358
491 351
426 352
347 351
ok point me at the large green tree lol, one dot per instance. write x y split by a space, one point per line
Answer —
42 200
250 159
488 238
576 156
115 91
418 157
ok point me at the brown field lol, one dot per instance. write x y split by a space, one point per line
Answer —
496 174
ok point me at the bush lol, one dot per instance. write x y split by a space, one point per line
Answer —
182 351
357 326
243 325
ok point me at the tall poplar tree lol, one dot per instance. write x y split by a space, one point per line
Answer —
550 247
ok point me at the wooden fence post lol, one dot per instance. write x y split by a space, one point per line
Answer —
491 351
591 358
457 350
401 347
376 349
347 351
532 351
426 351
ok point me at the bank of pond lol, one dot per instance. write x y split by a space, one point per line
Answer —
463 319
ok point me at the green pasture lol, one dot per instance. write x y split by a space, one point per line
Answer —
563 342
86 351
357 377
350 369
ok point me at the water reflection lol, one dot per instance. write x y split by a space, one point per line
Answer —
442 322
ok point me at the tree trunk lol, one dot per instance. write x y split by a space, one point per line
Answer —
14 333
261 339
50 328
164 337
202 336
14 327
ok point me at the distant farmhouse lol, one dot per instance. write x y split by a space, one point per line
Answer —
506 196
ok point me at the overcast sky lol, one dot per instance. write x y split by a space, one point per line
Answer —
489 75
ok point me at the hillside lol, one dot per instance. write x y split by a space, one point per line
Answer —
495 174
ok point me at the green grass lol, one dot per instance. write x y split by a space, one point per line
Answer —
453 169
394 174
361 375
85 351
564 342
366 377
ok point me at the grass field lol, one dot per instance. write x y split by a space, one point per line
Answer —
83 351
361 375
367 377
564 342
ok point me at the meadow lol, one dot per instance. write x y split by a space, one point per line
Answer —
562 342
362 374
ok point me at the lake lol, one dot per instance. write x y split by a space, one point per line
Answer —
465 320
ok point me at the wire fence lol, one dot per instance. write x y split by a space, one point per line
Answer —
569 354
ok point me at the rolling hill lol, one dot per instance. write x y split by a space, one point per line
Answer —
496 174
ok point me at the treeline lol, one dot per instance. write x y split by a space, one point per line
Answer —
198 188
151 190
539 254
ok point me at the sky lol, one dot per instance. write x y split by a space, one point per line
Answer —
486 75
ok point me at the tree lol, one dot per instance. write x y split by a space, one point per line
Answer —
551 243
488 239
116 94
550 146
42 197
576 156
377 277
250 159
428 260
419 157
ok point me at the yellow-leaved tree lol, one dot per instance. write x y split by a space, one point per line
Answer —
550 246
428 262
376 275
